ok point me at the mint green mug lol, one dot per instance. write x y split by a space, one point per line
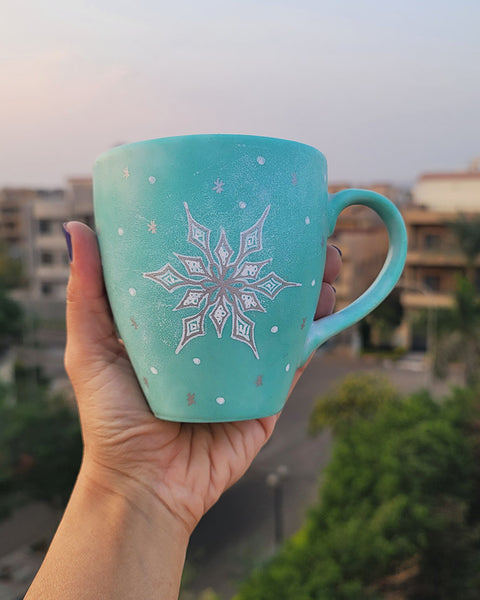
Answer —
213 251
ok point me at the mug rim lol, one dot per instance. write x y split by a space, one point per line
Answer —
234 136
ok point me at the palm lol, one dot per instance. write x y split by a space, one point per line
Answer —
187 465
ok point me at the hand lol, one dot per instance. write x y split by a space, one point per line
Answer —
183 467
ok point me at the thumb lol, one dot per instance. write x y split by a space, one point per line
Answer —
91 338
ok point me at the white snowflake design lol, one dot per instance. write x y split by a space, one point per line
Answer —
218 186
219 286
152 227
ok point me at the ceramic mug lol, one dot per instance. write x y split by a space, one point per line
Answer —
213 250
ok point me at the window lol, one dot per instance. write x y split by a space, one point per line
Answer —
46 258
431 283
44 226
432 241
47 288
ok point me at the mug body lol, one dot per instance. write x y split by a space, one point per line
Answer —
213 250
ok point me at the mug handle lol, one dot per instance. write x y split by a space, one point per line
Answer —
323 329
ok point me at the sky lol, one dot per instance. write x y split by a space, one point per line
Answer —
386 89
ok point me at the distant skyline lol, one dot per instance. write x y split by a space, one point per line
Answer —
387 90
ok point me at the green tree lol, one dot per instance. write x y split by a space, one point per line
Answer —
395 511
467 232
458 334
40 451
359 395
11 269
11 320
384 320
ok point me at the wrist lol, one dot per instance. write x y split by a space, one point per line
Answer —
132 498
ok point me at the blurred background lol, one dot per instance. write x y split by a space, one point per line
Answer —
370 487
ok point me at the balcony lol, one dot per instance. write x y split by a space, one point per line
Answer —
418 300
448 257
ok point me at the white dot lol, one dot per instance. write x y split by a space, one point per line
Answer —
287 368
307 220
313 282
242 204
152 179
274 329
154 370
197 361
120 231
220 400
260 160
132 292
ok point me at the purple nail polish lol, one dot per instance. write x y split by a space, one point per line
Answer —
68 239
337 249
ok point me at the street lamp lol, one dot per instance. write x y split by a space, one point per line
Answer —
275 482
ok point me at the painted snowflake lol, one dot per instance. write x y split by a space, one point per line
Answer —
219 285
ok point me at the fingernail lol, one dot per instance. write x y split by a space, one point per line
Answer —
337 249
68 239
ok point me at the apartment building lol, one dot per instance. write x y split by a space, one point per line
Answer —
363 240
14 223
31 228
48 262
434 258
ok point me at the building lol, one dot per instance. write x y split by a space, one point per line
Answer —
31 229
14 223
434 257
48 262
363 240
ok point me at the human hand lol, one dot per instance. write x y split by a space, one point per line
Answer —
182 467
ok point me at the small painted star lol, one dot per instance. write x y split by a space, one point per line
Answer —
294 179
218 186
134 323
126 173
191 399
303 324
152 227
145 381
259 381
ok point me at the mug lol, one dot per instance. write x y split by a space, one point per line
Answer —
213 250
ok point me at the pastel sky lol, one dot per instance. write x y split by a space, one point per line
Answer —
386 89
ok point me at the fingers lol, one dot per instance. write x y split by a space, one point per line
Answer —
326 301
333 265
90 330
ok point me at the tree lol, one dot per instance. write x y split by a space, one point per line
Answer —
384 320
459 329
358 396
396 512
11 313
11 269
11 320
40 451
458 334
467 232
